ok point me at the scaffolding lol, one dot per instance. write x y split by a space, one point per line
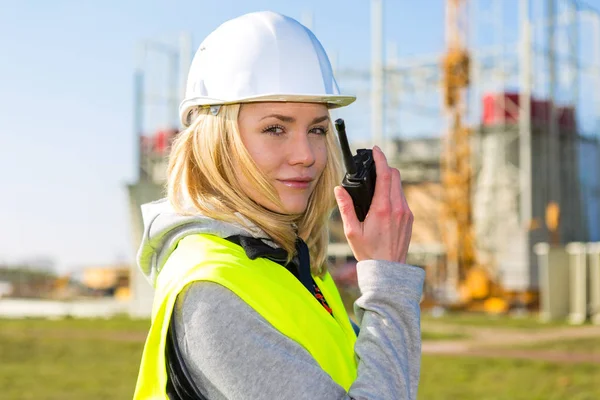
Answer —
517 160
522 165
156 121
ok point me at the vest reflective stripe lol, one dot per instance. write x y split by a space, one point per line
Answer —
268 288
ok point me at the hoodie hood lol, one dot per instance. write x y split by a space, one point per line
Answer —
164 228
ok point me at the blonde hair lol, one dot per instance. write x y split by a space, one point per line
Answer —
203 172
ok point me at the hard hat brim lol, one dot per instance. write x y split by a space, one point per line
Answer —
332 101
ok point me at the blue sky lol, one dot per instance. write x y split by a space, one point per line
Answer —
66 139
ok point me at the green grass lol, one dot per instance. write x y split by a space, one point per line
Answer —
99 359
493 321
112 324
55 360
469 378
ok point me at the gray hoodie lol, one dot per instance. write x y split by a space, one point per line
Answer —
234 353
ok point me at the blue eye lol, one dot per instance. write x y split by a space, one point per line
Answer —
319 130
275 130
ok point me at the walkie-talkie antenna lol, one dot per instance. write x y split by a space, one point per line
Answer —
346 153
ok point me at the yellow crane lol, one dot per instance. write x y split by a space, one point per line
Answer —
463 272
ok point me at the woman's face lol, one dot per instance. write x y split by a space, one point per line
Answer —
287 142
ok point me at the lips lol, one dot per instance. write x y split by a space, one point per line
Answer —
297 182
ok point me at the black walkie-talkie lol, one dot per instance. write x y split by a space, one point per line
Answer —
360 176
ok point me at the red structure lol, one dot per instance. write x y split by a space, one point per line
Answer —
163 140
159 143
504 108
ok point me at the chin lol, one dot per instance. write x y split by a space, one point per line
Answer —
295 206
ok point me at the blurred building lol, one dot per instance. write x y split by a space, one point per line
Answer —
153 166
6 289
501 244
502 241
528 150
155 115
26 280
111 280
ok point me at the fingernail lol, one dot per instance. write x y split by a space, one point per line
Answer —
377 148
337 192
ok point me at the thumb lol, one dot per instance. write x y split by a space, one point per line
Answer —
346 207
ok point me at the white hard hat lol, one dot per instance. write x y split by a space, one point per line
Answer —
261 56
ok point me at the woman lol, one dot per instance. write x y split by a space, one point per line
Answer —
244 305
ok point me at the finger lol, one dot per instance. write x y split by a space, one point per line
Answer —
396 194
399 188
398 199
381 197
346 206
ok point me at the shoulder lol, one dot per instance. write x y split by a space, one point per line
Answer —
210 308
212 321
233 352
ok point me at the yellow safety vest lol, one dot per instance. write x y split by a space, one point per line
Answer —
269 289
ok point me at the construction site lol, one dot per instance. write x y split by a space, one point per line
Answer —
497 139
501 194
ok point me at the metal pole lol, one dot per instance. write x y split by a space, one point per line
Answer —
308 19
525 178
475 95
173 91
576 205
574 50
377 72
452 267
499 31
334 58
596 69
185 60
553 155
393 83
138 109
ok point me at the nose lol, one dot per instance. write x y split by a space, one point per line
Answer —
301 150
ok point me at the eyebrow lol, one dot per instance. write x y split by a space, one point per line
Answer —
286 118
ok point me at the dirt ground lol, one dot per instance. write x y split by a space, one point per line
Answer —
493 342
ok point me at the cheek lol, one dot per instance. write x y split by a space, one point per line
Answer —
321 158
265 155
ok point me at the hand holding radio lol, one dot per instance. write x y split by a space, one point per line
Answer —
385 229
